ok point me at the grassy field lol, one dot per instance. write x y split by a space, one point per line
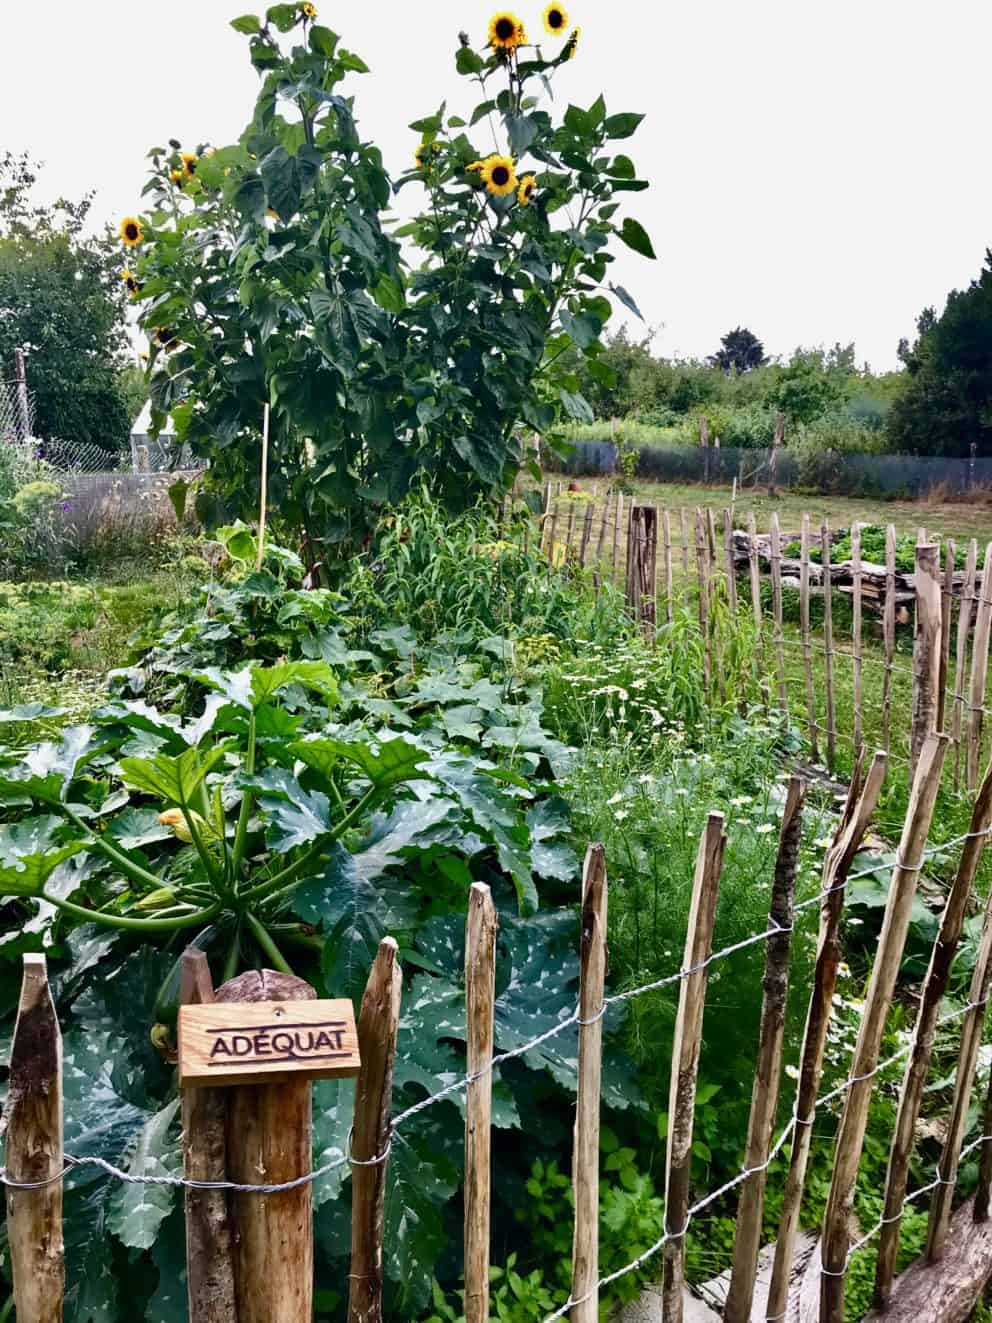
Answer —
958 520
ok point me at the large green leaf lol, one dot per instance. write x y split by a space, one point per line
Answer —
266 681
386 764
422 1176
46 771
353 915
551 857
295 816
635 236
138 1211
175 780
333 1109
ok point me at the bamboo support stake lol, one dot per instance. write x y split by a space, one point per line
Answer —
568 531
856 599
861 803
755 571
971 1033
602 529
666 531
926 647
586 534
768 1067
704 599
683 522
828 644
979 670
946 611
616 532
961 661
891 942
934 989
269 1140
685 1061
804 628
713 579
585 1166
552 530
33 1118
209 1246
263 504
378 1024
776 562
889 631
728 553
480 999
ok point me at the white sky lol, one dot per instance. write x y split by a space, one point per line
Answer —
819 168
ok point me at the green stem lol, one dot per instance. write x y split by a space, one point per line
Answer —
128 924
7 1310
267 944
233 954
209 863
122 860
288 875
241 835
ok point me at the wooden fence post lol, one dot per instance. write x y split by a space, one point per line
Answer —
889 630
683 522
971 1034
861 804
585 1165
616 531
768 1067
961 661
891 942
946 611
269 1140
714 578
33 1116
666 531
480 998
926 648
828 644
642 568
773 459
804 631
775 555
601 540
685 1060
378 1024
702 570
856 598
934 988
728 554
755 577
209 1248
586 534
979 670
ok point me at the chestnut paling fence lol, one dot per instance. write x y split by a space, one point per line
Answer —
234 1223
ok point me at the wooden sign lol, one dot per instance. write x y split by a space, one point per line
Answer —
266 1042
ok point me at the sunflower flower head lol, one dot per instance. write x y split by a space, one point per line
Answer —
526 190
499 175
572 44
131 283
506 32
177 177
556 20
131 232
166 338
309 12
189 164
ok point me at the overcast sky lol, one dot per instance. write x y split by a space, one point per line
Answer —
820 168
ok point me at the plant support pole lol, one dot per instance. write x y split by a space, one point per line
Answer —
480 996
980 669
828 645
889 631
807 653
961 661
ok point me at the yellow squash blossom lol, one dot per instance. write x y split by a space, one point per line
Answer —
189 164
526 190
131 231
506 32
173 818
555 20
499 175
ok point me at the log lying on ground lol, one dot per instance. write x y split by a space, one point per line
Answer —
949 1289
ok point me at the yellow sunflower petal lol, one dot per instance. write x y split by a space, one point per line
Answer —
131 231
506 32
526 190
189 164
499 175
556 20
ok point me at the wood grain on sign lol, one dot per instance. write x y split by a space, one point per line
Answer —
265 1042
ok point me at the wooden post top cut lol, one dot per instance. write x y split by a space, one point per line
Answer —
266 1042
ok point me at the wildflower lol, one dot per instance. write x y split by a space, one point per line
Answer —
131 231
309 12
499 176
524 194
844 969
792 1072
555 20
506 32
189 164
572 44
823 843
765 828
621 815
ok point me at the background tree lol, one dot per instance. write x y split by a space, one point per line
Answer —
63 301
946 403
740 351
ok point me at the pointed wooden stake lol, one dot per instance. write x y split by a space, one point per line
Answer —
828 645
33 1116
926 649
480 997
979 670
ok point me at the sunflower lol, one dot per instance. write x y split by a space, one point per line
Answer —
177 177
526 190
571 44
131 231
506 32
309 12
189 164
555 20
131 283
499 175
473 166
166 338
